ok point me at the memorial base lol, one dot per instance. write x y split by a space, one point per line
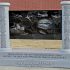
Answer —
35 58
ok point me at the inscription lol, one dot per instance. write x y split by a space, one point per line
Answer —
21 56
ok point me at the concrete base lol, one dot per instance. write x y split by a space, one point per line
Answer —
25 68
35 58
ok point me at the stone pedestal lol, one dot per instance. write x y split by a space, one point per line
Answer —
4 26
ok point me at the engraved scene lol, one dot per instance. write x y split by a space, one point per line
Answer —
37 24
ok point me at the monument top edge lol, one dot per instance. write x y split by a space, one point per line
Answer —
65 2
4 4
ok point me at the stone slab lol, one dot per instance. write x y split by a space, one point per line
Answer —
43 58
